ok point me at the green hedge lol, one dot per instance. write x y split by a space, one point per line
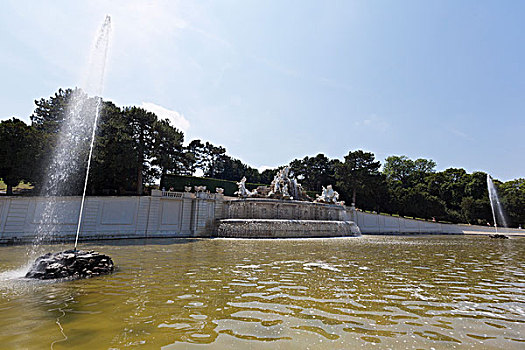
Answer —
179 181
312 194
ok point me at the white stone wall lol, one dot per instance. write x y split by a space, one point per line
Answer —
173 214
164 214
259 208
384 224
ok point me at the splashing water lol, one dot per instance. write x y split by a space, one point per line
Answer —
497 209
74 146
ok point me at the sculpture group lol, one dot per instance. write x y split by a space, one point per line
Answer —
329 196
285 186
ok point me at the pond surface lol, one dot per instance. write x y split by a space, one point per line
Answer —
383 292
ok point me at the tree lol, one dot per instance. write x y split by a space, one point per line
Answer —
314 172
231 169
234 169
475 211
407 172
18 152
195 155
207 157
513 197
476 186
419 203
65 121
168 151
213 161
268 175
377 196
475 205
358 171
142 130
50 113
114 165
398 168
449 186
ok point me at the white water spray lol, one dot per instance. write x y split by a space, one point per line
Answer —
497 209
75 138
101 49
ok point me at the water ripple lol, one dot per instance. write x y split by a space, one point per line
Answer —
399 292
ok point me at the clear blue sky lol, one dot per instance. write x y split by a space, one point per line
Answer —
277 80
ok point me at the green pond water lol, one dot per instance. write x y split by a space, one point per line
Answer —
374 292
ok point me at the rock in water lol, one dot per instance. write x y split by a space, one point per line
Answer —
72 264
499 236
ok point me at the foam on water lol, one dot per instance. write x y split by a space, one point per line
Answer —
15 274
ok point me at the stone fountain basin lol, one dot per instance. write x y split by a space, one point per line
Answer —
286 228
70 264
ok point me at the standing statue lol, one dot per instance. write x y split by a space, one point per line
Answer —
285 191
277 187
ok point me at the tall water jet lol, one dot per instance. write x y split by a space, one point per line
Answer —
495 204
74 149
98 62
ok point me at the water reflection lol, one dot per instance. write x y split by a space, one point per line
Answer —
421 292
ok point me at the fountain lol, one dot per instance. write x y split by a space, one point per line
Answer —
285 211
76 133
497 209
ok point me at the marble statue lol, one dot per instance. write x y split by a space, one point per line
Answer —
284 186
329 196
285 191
242 191
200 188
261 192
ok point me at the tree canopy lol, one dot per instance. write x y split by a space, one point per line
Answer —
358 173
18 152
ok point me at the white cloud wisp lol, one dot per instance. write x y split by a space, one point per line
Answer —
175 118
